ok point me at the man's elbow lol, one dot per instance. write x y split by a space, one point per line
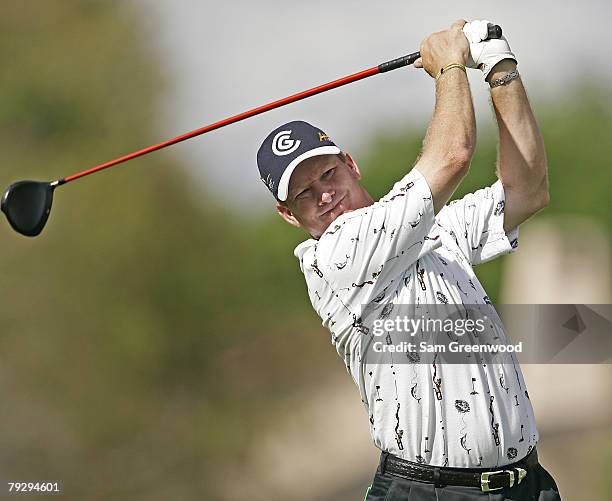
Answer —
542 196
542 200
459 159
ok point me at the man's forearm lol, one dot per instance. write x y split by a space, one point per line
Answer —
450 139
522 165
452 131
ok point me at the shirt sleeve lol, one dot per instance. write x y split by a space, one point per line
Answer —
476 222
365 249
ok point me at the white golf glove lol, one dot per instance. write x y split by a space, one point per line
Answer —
485 52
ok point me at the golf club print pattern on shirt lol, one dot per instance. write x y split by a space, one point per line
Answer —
397 252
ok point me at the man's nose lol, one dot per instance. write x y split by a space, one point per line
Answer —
326 197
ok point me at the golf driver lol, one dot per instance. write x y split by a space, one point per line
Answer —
27 204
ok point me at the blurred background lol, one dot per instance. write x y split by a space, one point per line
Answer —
157 340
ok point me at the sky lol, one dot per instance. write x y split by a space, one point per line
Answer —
219 59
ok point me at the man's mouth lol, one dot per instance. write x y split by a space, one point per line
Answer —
333 209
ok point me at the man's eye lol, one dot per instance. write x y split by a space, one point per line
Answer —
302 194
327 174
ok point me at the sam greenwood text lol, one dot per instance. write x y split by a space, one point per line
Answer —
451 347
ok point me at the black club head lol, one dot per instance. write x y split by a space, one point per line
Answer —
26 205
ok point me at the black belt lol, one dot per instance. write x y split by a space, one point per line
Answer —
487 480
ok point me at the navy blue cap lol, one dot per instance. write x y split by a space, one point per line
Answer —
287 146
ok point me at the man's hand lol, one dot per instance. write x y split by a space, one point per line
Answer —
485 54
443 48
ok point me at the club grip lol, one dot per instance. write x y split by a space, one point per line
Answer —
493 31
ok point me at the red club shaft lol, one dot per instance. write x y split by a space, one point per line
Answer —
236 118
494 31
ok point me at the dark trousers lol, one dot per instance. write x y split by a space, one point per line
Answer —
538 485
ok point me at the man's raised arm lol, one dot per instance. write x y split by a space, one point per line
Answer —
451 136
521 164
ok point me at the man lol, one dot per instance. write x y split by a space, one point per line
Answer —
447 431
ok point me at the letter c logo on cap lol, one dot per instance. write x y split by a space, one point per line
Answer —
282 144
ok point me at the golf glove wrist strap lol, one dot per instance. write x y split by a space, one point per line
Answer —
505 79
450 67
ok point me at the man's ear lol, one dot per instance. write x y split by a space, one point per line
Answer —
352 166
287 215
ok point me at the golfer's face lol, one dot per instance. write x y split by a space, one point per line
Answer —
321 189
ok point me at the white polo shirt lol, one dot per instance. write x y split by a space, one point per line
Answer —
396 252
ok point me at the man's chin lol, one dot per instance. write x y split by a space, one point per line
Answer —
333 216
341 212
330 217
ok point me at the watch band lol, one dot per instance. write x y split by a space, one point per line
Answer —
505 79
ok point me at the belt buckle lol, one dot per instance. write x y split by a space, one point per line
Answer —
484 480
521 473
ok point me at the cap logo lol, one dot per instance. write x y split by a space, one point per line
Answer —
282 144
269 182
323 137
